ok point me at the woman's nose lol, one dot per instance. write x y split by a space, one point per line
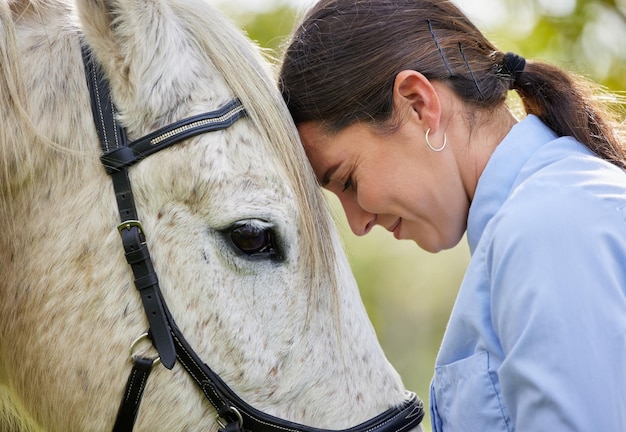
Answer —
361 222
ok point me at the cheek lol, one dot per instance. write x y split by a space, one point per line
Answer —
391 187
373 198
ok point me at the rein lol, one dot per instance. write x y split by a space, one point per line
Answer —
233 413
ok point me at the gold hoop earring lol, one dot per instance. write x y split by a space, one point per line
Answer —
445 141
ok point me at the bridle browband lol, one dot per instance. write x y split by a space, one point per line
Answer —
233 413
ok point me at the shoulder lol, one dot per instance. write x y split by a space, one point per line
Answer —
563 225
564 193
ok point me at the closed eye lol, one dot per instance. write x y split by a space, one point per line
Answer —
255 239
347 185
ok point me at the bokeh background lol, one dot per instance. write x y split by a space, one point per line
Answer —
407 292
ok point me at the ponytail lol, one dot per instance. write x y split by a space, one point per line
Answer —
574 106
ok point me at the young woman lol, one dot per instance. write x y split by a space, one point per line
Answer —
400 105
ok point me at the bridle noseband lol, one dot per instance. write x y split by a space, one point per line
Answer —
233 414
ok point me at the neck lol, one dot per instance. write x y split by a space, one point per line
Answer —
476 139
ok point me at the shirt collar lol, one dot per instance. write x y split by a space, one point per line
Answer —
503 167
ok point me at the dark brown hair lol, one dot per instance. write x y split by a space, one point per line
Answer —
340 65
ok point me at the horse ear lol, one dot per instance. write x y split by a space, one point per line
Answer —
121 32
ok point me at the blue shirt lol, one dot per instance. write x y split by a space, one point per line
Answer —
537 337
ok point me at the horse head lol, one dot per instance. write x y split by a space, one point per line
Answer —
248 261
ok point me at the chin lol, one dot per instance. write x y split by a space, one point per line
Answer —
429 248
437 244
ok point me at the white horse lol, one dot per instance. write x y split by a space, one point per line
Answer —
247 258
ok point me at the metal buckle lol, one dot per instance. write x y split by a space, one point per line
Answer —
129 224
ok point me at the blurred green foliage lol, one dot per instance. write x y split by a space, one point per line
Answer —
585 36
409 293
269 29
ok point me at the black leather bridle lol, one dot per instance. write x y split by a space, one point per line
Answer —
233 414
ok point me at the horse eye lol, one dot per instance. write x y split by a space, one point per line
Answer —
254 240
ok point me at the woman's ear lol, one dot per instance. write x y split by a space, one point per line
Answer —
414 94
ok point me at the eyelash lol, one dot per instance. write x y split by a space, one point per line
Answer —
347 184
